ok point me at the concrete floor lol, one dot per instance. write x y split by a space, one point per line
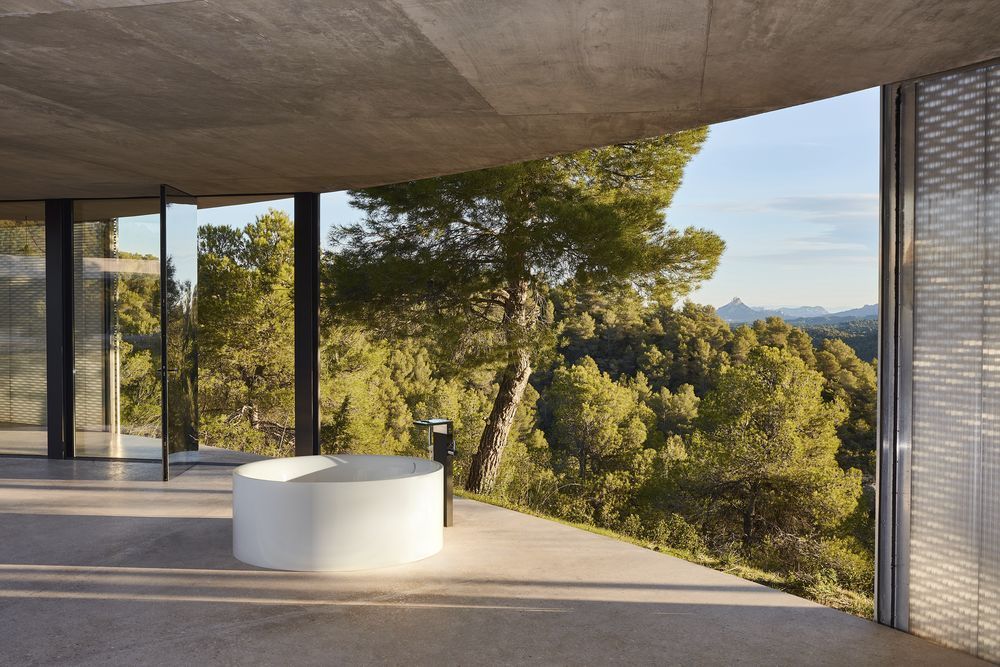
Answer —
128 570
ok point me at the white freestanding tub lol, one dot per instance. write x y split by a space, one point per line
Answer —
329 513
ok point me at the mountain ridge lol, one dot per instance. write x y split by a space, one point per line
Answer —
738 312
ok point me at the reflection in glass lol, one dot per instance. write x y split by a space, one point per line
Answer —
22 328
181 279
116 294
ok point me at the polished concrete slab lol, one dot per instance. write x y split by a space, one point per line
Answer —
126 570
99 444
111 98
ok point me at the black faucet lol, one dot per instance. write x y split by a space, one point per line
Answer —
441 443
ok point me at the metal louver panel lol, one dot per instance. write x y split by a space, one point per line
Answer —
954 502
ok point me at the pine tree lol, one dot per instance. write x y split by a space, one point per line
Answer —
468 260
764 457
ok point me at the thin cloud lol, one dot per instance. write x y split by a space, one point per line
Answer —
826 206
824 247
830 208
815 258
814 254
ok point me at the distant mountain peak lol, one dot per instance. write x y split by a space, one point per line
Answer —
737 311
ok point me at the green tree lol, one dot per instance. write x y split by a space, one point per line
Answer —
363 394
605 325
527 477
764 458
599 433
675 412
690 350
245 312
776 332
744 339
468 260
852 382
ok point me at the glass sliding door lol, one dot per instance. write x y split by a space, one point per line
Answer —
116 330
22 328
179 266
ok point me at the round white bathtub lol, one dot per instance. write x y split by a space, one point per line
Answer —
327 513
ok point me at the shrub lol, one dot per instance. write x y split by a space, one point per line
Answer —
673 531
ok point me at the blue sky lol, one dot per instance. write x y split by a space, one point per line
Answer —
794 193
334 210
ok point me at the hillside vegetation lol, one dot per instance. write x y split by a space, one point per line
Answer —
860 335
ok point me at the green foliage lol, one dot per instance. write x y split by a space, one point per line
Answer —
598 437
526 477
675 412
363 404
764 461
140 391
692 349
455 248
860 335
675 531
246 352
852 382
744 339
669 346
606 326
776 332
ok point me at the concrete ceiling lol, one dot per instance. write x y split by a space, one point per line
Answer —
113 97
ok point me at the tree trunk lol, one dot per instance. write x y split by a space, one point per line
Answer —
486 462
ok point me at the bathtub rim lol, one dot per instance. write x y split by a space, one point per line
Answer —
423 468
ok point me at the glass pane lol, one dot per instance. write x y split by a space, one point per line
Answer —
22 328
246 328
116 288
181 279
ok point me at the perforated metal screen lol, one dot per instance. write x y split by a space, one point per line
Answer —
954 521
